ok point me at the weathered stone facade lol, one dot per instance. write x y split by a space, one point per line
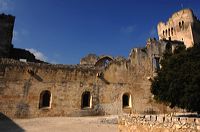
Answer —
99 85
120 85
182 26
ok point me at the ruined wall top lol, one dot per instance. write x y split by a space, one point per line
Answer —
90 59
182 14
16 63
7 17
179 27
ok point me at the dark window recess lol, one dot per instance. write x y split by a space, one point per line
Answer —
156 63
172 31
182 24
125 100
85 100
45 97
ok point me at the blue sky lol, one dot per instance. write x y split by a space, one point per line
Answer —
64 31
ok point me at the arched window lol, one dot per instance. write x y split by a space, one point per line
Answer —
126 100
86 100
172 31
182 24
156 63
169 31
163 33
166 32
45 99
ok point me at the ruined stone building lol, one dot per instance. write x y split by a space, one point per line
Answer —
182 26
99 85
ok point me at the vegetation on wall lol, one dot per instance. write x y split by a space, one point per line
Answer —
178 81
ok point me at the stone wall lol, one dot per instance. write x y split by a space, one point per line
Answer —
158 123
90 59
21 85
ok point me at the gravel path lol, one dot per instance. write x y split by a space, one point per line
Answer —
61 124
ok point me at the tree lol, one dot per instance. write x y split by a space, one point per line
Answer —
178 81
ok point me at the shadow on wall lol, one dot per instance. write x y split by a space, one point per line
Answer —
8 125
37 77
188 115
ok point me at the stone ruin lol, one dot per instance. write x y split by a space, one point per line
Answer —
99 85
158 123
182 26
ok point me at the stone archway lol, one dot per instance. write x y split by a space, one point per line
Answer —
86 100
45 99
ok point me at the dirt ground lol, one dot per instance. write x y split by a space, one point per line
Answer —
61 124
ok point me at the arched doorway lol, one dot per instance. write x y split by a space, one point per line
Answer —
45 99
86 100
126 101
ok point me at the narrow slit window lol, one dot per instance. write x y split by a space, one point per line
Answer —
182 24
172 31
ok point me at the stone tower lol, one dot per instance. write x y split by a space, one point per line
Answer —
6 34
182 26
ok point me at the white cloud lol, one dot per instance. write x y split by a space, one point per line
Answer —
6 5
38 55
128 29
